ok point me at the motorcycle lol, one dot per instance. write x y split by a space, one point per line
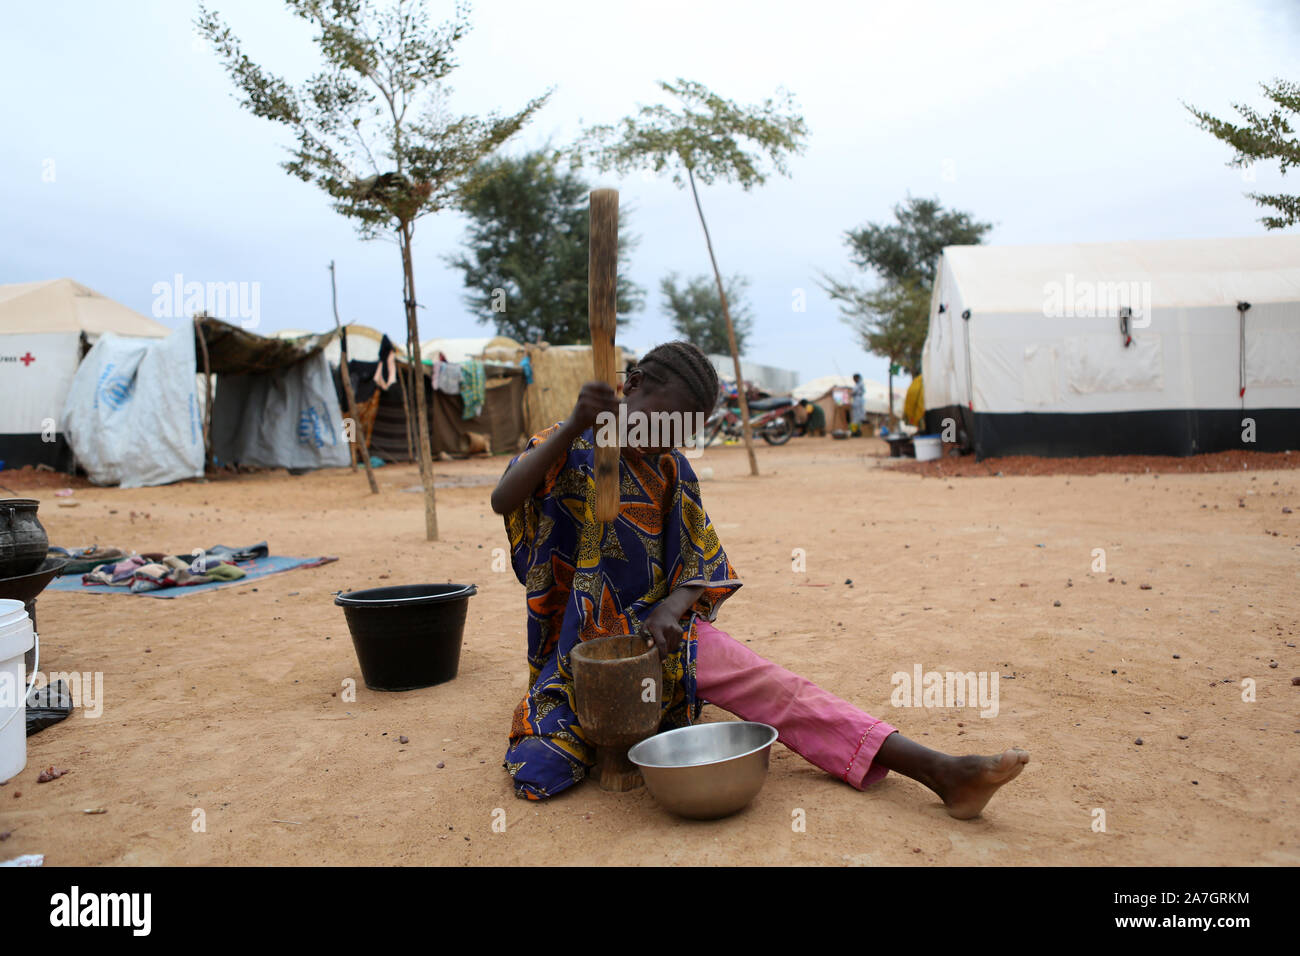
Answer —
771 418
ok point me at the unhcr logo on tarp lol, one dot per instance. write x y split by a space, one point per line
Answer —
313 430
113 391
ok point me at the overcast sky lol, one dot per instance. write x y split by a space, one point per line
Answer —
125 159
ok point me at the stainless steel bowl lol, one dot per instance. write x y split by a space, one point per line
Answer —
706 771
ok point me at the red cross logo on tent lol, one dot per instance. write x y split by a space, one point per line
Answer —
27 359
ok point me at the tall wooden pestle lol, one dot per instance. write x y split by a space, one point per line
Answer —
602 318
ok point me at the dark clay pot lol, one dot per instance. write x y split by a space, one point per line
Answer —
23 541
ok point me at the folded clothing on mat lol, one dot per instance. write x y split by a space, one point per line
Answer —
115 572
174 572
214 555
140 574
219 575
81 560
219 552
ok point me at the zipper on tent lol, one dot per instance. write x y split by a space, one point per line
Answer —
1241 352
970 386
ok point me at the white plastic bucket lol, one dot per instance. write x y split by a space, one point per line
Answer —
16 639
928 447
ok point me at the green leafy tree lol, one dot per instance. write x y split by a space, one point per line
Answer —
1263 138
910 246
526 254
372 129
891 321
708 138
892 318
695 310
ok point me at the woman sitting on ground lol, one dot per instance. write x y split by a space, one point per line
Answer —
659 570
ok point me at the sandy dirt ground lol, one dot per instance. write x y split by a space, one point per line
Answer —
1126 685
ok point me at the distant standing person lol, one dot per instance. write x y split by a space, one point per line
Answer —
858 410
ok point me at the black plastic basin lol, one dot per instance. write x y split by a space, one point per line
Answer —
409 636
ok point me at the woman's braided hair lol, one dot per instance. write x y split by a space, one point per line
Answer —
683 363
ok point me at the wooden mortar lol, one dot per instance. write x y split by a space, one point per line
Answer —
616 686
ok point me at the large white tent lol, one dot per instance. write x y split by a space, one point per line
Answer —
45 329
1171 347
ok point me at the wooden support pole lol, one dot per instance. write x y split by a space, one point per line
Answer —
745 428
424 439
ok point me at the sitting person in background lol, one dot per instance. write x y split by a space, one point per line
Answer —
814 419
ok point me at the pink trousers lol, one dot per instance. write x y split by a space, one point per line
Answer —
820 727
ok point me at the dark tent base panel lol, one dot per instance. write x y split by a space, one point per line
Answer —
19 451
1178 433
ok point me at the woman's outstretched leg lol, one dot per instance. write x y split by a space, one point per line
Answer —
836 736
964 784
820 727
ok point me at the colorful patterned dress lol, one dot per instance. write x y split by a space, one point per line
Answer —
588 579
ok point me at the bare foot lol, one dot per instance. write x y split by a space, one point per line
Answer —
968 783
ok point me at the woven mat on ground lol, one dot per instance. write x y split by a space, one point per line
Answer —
258 568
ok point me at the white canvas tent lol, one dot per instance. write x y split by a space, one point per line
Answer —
45 330
1026 349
